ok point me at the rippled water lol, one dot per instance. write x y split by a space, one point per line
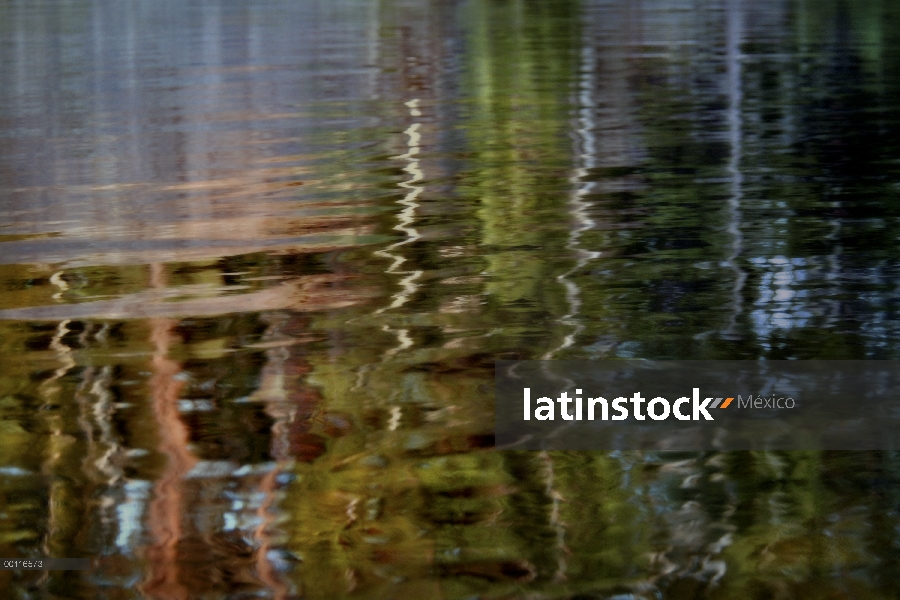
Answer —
257 259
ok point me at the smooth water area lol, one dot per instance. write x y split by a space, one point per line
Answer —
257 260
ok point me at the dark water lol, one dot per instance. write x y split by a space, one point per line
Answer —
257 259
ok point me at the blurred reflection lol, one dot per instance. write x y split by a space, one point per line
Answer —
258 260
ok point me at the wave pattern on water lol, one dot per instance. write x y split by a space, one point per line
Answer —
258 258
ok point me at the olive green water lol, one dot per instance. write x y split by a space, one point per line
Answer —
257 258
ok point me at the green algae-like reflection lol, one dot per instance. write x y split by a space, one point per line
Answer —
257 260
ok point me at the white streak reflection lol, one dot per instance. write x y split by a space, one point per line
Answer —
733 59
405 220
578 206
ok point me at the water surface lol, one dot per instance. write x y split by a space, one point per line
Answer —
258 258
